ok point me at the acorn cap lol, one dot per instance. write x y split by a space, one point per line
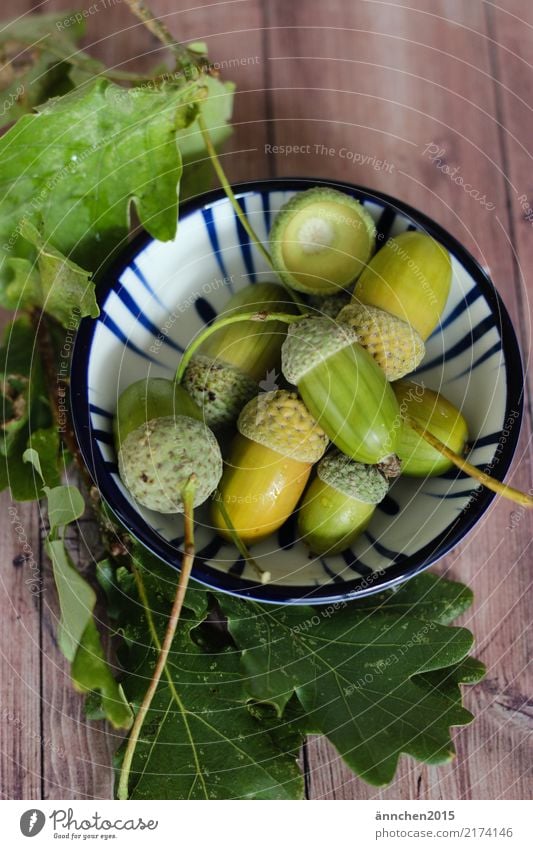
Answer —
321 240
279 420
220 390
355 480
395 345
310 342
157 459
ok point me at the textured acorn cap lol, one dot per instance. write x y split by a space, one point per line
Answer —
157 459
280 421
321 240
396 346
220 390
355 480
310 342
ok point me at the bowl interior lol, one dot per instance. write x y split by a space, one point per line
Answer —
161 294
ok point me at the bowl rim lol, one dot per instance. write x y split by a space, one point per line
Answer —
329 593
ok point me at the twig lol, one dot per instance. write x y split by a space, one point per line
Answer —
185 573
224 182
193 346
491 483
63 422
159 29
263 575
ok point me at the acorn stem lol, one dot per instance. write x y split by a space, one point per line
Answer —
264 576
164 648
223 322
224 182
241 215
486 480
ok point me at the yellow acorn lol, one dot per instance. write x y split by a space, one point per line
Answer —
395 345
410 277
269 465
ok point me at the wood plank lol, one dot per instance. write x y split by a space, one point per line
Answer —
385 80
20 675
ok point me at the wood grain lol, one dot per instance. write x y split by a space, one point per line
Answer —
364 86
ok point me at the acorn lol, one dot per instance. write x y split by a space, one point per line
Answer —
278 442
339 503
344 389
410 278
395 345
162 442
225 373
436 414
321 240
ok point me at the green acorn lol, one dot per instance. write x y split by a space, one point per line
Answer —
162 442
339 503
395 345
321 240
226 371
435 413
344 389
409 277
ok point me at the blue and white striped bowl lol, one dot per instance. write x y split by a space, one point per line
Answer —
159 295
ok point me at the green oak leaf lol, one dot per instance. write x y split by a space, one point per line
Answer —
36 52
42 453
373 677
25 409
92 674
24 401
76 598
53 283
82 162
199 739
77 634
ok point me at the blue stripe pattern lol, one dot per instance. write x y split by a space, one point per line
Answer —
466 342
496 348
99 411
246 247
213 238
141 277
265 200
356 565
143 319
108 322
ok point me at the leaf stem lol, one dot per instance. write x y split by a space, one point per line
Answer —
155 25
224 182
185 573
223 322
486 480
241 215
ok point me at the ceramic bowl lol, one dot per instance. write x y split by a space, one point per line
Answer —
158 295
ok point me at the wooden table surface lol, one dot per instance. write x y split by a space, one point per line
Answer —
368 85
